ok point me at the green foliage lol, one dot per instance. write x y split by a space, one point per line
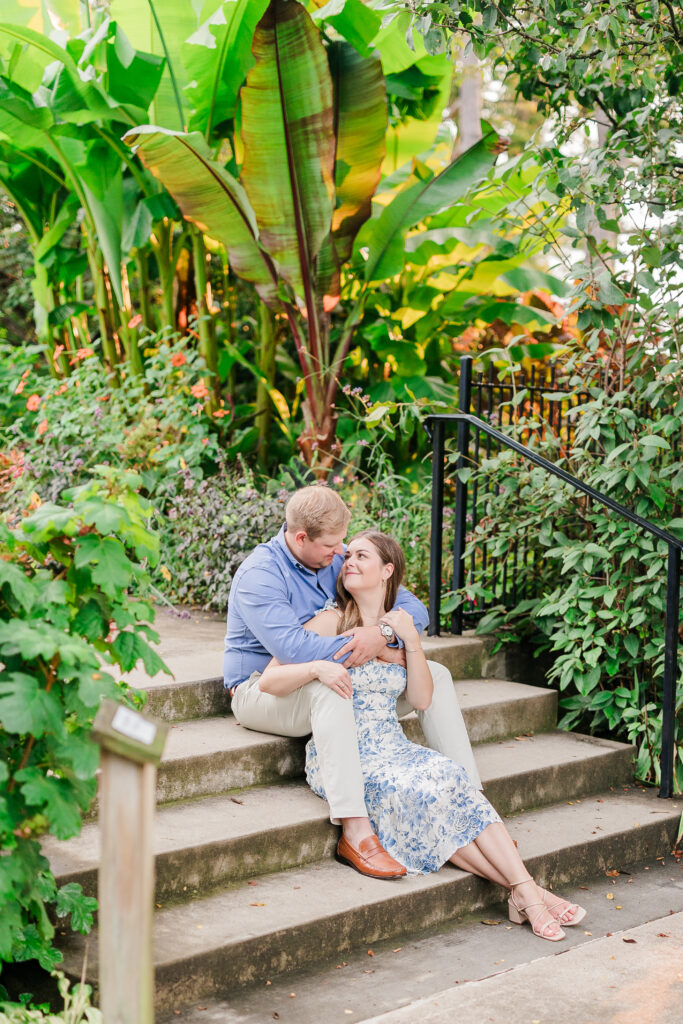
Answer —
68 576
152 425
601 598
77 1007
209 529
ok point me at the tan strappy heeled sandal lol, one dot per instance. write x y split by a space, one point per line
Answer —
518 915
552 902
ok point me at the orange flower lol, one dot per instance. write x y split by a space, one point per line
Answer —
32 402
42 427
22 383
178 359
199 390
135 321
57 353
62 388
220 413
83 353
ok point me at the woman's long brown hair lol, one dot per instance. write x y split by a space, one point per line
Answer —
391 554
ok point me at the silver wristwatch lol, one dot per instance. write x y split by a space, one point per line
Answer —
387 632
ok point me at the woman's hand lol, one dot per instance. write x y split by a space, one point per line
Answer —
333 675
403 626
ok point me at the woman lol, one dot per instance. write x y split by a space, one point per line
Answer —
423 806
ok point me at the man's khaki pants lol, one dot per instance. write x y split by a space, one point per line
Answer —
318 709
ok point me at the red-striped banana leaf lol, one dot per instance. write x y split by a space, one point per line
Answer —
209 197
287 132
360 114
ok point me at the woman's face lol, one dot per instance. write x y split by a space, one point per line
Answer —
363 567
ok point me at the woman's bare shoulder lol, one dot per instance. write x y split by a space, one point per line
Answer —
324 623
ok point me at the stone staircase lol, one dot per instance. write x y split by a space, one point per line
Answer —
247 887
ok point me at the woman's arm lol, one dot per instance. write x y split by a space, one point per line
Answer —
279 680
420 685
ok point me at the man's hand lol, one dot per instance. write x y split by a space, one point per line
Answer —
393 656
334 676
365 643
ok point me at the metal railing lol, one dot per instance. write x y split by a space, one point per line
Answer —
436 428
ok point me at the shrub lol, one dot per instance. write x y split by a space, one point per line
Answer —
77 1007
600 606
152 424
210 527
67 574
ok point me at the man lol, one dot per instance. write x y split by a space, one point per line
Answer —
281 585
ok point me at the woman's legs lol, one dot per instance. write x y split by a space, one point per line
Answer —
494 856
470 858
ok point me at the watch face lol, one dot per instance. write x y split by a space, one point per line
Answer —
387 631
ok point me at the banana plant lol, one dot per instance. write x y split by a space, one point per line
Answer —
296 218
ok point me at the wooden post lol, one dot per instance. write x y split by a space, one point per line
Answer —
132 745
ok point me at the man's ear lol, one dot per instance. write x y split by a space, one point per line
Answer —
300 536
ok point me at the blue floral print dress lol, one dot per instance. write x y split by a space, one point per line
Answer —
421 804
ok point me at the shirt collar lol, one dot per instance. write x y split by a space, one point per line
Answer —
280 541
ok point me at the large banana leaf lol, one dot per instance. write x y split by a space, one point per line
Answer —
39 52
161 27
45 16
217 57
209 197
384 235
352 19
23 124
287 131
360 113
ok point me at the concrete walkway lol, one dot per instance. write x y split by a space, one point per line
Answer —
630 977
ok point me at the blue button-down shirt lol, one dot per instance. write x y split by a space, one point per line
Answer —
271 596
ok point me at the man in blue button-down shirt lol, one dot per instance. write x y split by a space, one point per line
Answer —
278 588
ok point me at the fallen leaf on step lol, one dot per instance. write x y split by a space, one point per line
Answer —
276 1016
252 883
201 1007
370 970
618 906
269 983
588 933
662 935
486 920
613 873
236 801
397 950
257 904
609 896
370 953
630 940
292 995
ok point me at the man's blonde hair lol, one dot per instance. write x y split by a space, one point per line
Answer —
316 510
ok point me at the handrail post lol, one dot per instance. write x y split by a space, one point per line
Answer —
673 593
460 517
436 542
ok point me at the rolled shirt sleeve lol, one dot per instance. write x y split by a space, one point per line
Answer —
265 605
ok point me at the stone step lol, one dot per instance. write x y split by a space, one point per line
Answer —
211 755
204 844
197 690
249 934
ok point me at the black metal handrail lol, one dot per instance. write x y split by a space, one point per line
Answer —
435 426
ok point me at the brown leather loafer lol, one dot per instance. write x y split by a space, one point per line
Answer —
370 858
